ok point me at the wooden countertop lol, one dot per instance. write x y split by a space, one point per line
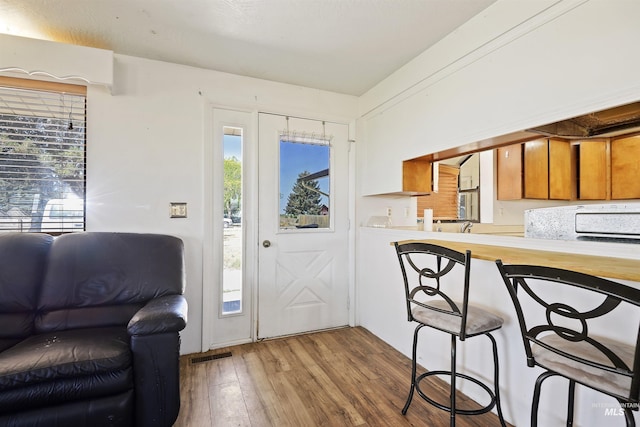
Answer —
604 266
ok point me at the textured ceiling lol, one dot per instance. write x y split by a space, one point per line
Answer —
345 46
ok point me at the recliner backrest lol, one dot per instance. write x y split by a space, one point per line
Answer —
22 264
99 279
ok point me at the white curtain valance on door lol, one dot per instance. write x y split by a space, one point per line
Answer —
304 137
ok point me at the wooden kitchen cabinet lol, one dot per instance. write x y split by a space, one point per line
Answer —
593 179
561 169
416 176
625 168
536 169
547 169
509 172
539 169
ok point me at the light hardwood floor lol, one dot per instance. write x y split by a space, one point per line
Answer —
342 377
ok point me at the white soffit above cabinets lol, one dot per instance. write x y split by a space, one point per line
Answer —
345 46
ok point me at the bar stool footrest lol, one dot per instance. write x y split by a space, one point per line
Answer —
447 408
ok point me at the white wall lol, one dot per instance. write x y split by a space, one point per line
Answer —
145 149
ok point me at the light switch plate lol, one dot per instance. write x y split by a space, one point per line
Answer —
178 210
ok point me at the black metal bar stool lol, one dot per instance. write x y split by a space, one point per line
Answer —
429 304
558 337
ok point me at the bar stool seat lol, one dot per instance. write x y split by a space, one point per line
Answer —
479 321
429 274
616 384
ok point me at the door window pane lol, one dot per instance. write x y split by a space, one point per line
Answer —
232 222
304 183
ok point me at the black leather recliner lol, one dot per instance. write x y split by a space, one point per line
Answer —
89 329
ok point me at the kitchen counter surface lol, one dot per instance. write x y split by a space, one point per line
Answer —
619 261
604 266
476 228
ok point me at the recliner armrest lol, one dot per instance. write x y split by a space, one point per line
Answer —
159 315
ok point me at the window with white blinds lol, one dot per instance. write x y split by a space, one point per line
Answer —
42 159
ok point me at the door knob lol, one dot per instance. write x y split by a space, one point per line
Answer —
266 243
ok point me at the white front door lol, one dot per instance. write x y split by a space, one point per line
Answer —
303 281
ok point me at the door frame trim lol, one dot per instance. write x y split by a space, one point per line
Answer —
209 311
211 256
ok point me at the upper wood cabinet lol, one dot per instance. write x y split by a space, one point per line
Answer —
539 169
561 170
593 179
536 169
547 169
509 172
416 176
556 169
625 168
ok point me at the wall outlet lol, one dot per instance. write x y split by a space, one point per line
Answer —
388 211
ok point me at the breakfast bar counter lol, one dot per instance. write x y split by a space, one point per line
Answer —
381 308
597 265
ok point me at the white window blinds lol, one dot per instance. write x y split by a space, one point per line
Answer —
42 160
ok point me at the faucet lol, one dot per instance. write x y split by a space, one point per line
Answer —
465 227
